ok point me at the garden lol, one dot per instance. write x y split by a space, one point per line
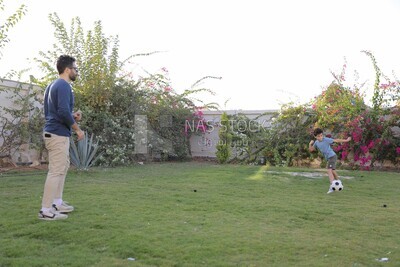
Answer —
263 205
112 100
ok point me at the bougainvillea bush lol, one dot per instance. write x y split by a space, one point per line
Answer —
342 111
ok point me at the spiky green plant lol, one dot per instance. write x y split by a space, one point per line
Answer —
84 155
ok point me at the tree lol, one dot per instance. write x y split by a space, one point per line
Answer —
97 57
225 139
14 123
286 141
110 98
8 23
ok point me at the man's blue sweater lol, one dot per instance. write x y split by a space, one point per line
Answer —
58 108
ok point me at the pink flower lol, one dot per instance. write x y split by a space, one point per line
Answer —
356 136
199 113
366 168
338 148
365 160
386 142
344 155
398 150
371 144
364 149
167 89
384 86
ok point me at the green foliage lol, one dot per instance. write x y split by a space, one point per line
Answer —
225 139
7 23
17 121
385 95
287 139
97 58
110 97
372 140
21 121
248 138
342 112
337 104
84 155
167 112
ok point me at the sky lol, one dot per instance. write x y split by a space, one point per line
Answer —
268 53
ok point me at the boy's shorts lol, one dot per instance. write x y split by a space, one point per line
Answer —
332 162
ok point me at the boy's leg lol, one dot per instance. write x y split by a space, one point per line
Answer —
335 174
331 175
332 169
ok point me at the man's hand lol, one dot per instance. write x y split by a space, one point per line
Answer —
348 139
311 142
77 115
80 134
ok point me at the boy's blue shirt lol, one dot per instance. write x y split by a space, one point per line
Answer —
58 107
325 147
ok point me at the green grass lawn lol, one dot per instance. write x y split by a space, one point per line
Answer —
198 214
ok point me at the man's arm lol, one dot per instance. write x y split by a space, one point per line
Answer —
77 115
78 131
63 109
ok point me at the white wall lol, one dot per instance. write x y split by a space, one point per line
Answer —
204 144
24 153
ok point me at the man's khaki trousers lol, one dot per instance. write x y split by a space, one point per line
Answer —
58 154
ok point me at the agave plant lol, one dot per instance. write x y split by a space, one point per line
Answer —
83 155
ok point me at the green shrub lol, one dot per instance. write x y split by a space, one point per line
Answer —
83 155
225 139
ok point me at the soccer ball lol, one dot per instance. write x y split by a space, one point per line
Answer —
337 185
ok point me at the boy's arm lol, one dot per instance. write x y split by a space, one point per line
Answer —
311 147
342 140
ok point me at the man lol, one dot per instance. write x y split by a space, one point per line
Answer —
60 119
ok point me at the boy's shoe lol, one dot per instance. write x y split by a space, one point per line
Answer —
52 215
330 190
63 208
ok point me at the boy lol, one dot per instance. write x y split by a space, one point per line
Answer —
323 144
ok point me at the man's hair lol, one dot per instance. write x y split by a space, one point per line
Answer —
317 131
64 62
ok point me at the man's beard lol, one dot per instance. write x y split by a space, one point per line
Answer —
72 77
